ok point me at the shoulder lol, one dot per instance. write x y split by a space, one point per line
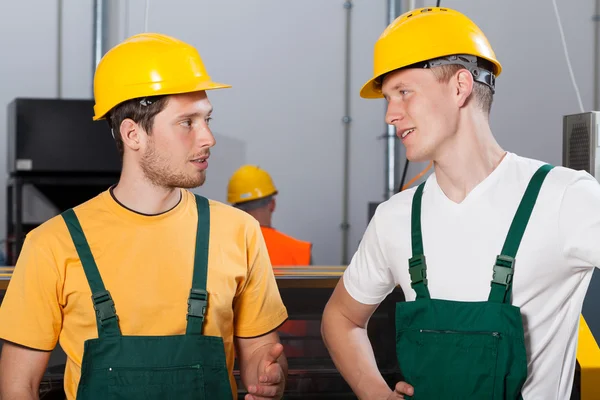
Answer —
558 180
230 221
54 234
398 206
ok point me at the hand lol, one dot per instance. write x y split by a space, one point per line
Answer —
400 390
270 376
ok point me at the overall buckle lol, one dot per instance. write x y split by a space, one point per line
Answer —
104 306
503 270
197 303
417 268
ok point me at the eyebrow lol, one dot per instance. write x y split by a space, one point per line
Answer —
396 87
400 85
195 114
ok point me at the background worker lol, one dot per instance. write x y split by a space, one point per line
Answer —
151 290
251 189
470 328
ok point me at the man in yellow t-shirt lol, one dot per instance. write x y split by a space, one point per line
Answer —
144 238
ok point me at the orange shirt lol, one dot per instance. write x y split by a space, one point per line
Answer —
284 250
146 263
287 251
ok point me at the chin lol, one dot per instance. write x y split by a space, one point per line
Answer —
194 181
417 157
191 184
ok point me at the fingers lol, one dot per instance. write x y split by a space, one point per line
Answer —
260 392
272 375
404 388
271 378
274 352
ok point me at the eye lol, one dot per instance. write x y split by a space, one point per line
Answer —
208 119
404 92
187 123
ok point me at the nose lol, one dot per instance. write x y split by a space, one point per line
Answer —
206 138
394 113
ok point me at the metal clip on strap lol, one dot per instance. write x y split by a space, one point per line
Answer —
197 303
503 271
104 306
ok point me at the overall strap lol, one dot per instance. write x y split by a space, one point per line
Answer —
505 263
416 264
198 299
106 316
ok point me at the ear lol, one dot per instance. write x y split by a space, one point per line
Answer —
272 205
131 134
464 87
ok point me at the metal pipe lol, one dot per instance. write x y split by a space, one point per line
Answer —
391 150
100 32
597 56
345 225
59 51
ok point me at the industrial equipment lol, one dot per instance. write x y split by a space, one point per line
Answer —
55 146
581 142
312 374
58 136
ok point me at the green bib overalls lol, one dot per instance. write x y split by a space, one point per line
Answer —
465 350
181 367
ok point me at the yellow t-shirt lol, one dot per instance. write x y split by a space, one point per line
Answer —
146 263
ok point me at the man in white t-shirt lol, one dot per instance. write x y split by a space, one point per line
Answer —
502 327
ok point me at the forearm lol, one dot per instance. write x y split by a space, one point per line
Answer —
10 393
21 371
352 353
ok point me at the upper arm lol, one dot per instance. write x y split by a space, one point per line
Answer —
31 313
579 221
368 279
258 308
342 304
21 369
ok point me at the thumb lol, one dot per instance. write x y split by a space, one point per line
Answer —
404 388
274 353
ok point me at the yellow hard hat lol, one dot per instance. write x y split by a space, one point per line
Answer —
426 34
249 182
148 64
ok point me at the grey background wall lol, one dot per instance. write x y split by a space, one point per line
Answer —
285 61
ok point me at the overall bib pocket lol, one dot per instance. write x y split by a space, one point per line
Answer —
177 382
460 363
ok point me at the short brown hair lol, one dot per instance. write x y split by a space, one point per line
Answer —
141 111
482 93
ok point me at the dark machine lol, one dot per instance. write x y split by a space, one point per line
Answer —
312 374
55 146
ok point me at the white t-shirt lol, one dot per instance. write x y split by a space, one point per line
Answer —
553 267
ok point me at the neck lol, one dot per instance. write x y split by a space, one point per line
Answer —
135 192
262 215
467 159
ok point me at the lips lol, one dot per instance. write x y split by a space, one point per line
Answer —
200 158
200 161
406 132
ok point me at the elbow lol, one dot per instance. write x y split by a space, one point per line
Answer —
324 329
326 322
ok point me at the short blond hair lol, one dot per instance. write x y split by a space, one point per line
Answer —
482 94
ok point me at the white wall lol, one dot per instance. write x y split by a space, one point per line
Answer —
285 62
